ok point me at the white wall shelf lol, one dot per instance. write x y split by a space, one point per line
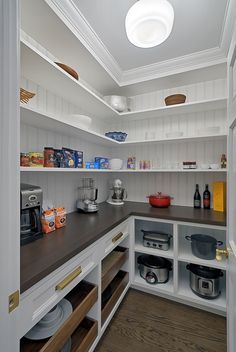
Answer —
178 139
40 69
40 119
57 169
188 257
139 248
186 108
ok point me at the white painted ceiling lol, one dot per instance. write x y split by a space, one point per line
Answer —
197 27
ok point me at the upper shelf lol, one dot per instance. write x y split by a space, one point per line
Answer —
40 69
186 108
39 119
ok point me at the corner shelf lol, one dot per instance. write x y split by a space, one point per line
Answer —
40 119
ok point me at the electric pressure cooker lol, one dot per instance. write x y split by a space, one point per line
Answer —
204 281
155 270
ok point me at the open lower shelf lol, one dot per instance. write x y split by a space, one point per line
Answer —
112 293
185 293
190 258
58 169
139 248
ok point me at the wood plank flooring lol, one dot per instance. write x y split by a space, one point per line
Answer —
146 323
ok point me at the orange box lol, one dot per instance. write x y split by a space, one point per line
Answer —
219 196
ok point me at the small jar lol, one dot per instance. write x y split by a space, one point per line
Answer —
24 159
49 157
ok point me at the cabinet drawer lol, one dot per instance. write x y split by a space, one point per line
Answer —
112 264
116 288
115 237
82 298
84 335
47 293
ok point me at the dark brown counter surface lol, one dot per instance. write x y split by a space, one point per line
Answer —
40 258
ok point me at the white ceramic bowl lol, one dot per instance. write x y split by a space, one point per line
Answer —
81 121
117 102
115 164
214 166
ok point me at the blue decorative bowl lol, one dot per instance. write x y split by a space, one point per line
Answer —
117 136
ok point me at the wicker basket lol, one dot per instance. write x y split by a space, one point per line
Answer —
68 69
25 95
175 99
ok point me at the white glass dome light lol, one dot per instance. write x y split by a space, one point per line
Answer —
149 22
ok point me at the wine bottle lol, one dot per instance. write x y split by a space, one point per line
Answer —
197 198
206 198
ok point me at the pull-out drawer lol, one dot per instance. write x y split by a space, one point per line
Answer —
49 291
82 298
112 293
112 264
114 238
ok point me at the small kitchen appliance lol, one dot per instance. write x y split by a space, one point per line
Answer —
31 199
155 270
117 193
204 281
88 194
203 246
158 240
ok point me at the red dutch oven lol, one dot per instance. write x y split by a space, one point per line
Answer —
159 200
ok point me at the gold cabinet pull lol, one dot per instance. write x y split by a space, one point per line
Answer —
222 252
117 237
69 278
14 301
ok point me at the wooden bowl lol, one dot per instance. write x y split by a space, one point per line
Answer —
175 99
68 69
25 95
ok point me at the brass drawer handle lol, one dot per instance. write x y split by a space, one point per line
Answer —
69 278
117 237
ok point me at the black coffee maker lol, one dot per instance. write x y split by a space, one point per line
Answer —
31 198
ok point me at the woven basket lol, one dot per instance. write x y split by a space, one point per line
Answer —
25 95
175 99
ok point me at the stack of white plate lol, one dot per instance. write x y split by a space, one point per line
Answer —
51 322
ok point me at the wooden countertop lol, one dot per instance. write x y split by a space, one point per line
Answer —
40 258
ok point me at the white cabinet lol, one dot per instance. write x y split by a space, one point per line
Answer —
180 255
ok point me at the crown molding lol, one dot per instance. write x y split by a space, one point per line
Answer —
228 26
181 64
77 23
69 13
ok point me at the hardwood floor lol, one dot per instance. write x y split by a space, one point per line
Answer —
146 323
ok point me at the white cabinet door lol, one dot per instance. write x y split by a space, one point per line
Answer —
231 280
9 173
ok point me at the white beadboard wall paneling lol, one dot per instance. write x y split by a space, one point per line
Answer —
48 102
171 155
194 92
62 189
179 186
194 124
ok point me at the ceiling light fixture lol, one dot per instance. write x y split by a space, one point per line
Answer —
149 22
